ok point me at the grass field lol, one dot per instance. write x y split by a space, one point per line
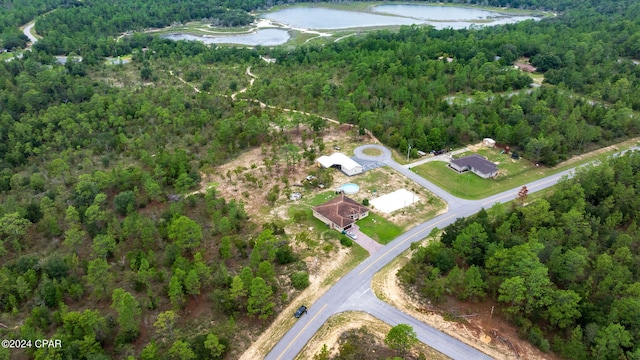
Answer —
372 152
512 173
379 228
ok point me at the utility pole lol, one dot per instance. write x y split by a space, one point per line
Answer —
409 150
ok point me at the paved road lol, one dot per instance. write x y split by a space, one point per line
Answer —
353 291
27 33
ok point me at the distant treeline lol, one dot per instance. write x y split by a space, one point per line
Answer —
400 86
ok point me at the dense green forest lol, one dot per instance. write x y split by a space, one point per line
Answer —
96 237
89 27
100 248
563 269
14 14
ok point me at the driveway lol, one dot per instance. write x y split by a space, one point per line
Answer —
365 241
446 157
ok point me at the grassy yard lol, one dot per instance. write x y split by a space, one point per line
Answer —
319 198
379 228
7 55
372 152
513 173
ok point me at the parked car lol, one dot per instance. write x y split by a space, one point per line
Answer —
352 235
310 177
301 310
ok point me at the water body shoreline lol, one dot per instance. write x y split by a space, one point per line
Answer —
331 20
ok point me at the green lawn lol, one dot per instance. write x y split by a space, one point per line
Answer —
514 173
7 55
379 229
320 198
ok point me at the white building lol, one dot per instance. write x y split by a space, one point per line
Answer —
342 162
488 142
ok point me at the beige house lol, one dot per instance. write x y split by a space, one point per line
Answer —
340 213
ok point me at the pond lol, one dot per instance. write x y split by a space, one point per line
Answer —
267 37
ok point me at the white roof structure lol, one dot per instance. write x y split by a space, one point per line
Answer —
488 142
341 161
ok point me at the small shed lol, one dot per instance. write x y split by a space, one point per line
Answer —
488 142
421 153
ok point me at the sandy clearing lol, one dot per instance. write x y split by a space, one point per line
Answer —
331 331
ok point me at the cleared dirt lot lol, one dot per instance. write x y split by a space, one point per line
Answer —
330 332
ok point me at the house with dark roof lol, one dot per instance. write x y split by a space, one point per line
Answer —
340 213
476 164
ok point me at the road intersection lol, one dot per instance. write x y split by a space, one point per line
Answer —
353 292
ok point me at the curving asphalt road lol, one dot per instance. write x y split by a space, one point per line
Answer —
27 33
353 291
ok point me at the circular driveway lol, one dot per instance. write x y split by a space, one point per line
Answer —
386 153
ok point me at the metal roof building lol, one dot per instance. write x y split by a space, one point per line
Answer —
342 162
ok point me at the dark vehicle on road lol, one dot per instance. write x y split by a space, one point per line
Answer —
301 310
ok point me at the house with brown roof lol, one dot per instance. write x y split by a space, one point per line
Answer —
476 164
340 213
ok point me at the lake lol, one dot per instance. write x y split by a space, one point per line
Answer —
441 17
309 17
266 37
325 19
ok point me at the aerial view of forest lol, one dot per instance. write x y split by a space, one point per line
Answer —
147 184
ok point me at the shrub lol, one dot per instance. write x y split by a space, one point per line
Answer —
346 241
125 202
300 280
537 338
285 255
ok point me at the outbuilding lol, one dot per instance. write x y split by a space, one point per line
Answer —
488 142
342 162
